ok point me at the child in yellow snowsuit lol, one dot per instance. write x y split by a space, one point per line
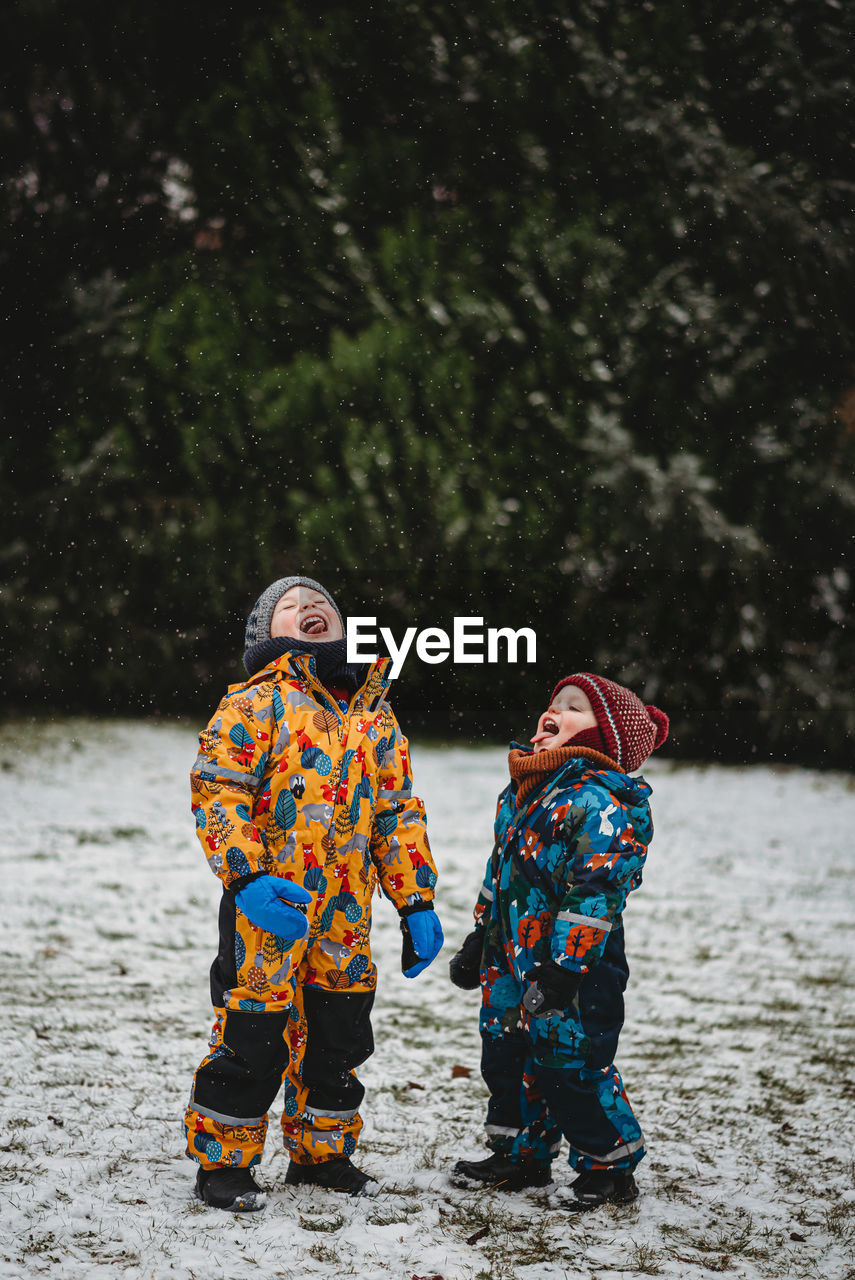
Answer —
302 792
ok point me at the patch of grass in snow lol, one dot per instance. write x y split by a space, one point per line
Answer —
404 1093
405 1193
466 1216
837 1060
430 1154
839 978
323 1252
534 1246
394 1214
839 1222
670 1188
507 1239
725 1244
377 1145
14 1144
89 1045
121 1257
323 1224
672 1046
780 1005
110 835
643 1259
780 1089
40 1242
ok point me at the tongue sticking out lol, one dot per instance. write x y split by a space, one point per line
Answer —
314 625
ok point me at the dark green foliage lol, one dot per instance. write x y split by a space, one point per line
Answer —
539 313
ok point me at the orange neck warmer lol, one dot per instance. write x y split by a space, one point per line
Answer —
529 770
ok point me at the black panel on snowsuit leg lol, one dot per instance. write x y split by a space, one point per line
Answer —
601 1007
244 1082
224 968
577 1110
338 1039
502 1061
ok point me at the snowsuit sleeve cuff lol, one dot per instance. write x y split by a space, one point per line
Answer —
413 907
240 882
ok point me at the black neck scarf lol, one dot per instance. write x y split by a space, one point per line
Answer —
331 665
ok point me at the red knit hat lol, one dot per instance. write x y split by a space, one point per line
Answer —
629 730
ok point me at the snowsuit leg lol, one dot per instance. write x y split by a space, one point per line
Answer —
234 1087
328 1041
574 1067
518 1123
331 1037
238 1079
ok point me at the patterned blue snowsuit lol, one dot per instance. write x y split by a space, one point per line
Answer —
555 888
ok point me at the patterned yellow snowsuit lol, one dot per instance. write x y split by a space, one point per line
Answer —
286 783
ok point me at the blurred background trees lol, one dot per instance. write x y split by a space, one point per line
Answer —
538 312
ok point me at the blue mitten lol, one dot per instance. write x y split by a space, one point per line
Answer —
264 903
422 941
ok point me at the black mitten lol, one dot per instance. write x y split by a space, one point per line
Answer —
464 968
552 989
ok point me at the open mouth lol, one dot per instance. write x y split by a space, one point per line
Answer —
314 624
549 725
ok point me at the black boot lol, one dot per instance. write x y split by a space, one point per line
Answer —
500 1173
333 1175
600 1186
232 1189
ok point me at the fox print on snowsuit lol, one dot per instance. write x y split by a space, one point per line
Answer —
288 784
563 863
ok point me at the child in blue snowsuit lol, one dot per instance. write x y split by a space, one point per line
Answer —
571 836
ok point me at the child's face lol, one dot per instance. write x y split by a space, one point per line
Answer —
304 614
569 713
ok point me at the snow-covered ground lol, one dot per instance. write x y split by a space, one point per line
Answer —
738 1050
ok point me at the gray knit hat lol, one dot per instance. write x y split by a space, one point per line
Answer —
258 622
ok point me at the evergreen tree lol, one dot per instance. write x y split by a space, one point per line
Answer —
529 311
